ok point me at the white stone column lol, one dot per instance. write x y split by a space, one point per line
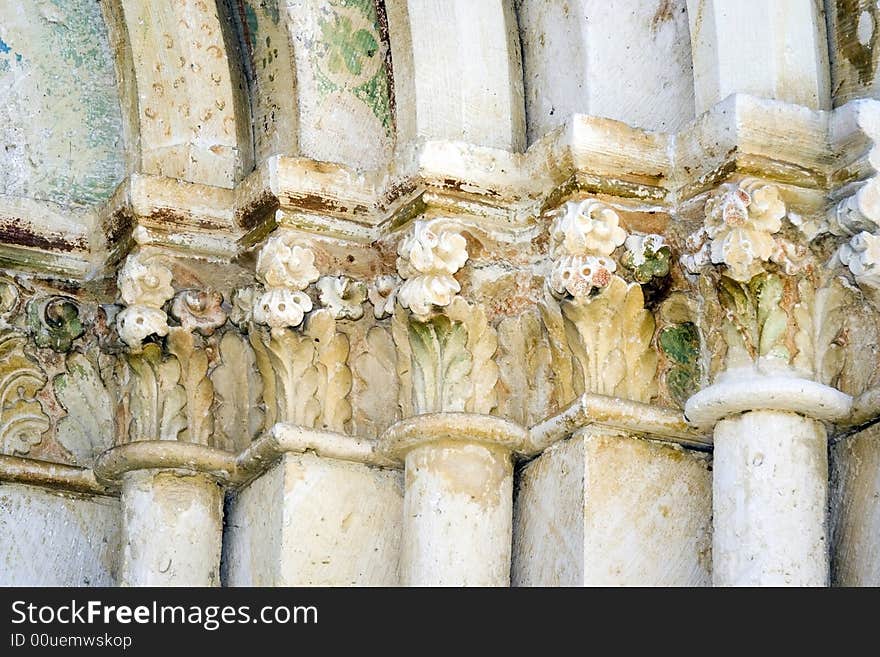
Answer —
770 478
172 511
458 499
172 524
772 50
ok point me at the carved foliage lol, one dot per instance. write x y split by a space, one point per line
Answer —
820 321
609 337
193 362
445 361
87 429
755 325
376 383
22 419
153 402
237 388
525 364
285 359
333 374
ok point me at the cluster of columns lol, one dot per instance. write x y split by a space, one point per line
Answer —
455 515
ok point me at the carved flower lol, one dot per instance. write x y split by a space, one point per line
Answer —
282 263
280 308
428 259
586 227
199 310
243 306
343 297
426 251
144 284
383 295
135 323
578 276
740 221
422 293
862 255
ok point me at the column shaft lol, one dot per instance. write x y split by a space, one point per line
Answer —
770 490
457 518
172 525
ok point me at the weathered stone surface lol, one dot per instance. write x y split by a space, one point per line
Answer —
770 501
282 251
600 510
172 525
855 509
56 539
626 60
315 521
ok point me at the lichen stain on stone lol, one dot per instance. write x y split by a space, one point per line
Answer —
473 470
859 55
663 14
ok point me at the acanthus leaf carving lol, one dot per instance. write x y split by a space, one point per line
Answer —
525 365
755 326
155 400
441 363
820 322
290 380
610 337
237 390
334 375
193 362
87 429
376 386
482 343
563 381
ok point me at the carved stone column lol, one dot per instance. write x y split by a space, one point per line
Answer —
776 345
171 476
325 509
458 503
770 478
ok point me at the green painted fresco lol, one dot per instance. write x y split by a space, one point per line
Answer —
350 57
60 117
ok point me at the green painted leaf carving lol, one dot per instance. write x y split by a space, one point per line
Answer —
442 364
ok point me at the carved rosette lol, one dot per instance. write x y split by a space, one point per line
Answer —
144 287
285 268
428 257
582 236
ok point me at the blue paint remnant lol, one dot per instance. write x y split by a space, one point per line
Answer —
18 56
3 47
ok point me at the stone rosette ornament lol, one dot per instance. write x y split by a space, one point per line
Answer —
582 237
200 311
741 220
342 297
382 293
144 286
428 257
286 269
